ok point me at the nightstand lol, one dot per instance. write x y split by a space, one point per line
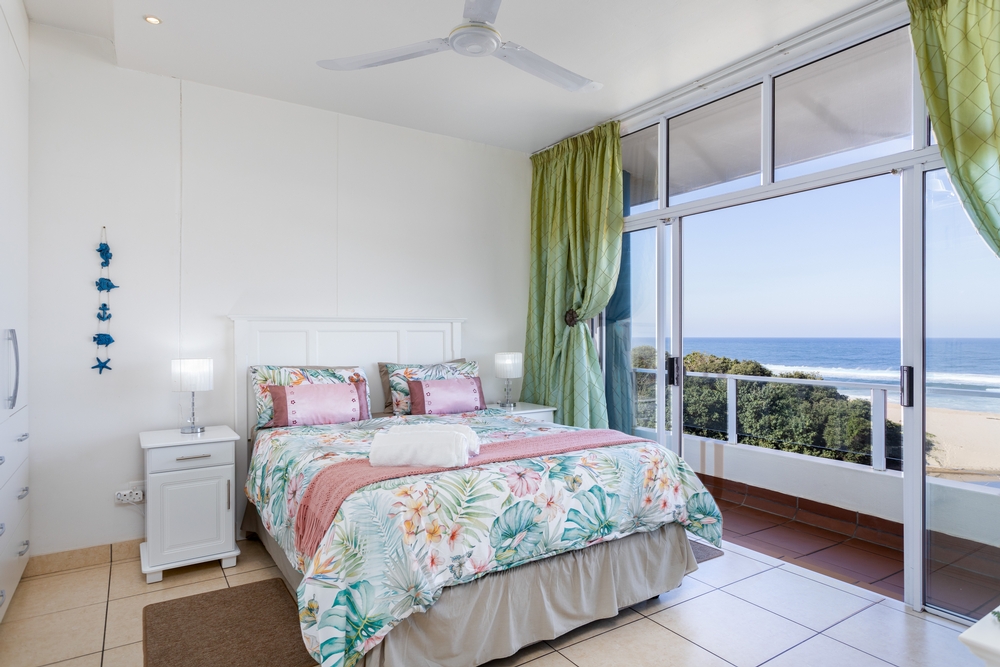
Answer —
540 413
190 499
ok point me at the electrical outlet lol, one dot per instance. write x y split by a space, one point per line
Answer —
135 493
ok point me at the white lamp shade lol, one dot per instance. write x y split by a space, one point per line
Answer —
191 374
508 364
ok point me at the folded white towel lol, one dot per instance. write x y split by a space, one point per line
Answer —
441 449
471 436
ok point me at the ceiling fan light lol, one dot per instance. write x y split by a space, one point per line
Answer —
474 40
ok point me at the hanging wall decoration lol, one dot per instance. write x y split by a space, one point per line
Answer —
104 286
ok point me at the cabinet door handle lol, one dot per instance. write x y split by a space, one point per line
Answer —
2 460
12 399
27 544
3 597
193 456
228 495
23 437
3 529
23 494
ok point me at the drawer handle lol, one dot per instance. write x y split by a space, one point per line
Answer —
23 437
3 597
23 494
3 529
2 460
192 457
27 545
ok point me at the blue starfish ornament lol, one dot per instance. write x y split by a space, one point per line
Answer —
102 365
104 315
105 250
105 285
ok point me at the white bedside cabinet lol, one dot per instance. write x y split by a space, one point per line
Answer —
539 413
190 499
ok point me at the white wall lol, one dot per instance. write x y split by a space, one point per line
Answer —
221 203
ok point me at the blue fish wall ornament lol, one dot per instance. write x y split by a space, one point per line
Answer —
105 285
103 339
105 251
104 315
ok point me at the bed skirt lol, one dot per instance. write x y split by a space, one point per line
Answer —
498 614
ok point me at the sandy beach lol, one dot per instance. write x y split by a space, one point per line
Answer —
966 442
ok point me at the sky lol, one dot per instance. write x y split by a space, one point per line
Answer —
824 263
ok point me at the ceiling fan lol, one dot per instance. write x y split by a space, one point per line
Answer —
475 38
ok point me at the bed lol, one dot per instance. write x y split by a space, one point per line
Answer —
463 566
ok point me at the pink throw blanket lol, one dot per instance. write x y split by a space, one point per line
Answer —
332 485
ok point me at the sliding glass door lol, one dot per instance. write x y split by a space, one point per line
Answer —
962 440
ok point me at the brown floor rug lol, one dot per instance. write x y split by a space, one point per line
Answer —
255 625
703 552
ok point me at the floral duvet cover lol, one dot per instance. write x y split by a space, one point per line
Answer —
395 545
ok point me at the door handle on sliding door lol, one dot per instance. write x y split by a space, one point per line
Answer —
673 370
906 386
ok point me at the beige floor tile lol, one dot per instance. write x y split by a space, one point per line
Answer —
640 644
58 592
727 569
253 556
126 550
821 651
690 588
550 660
528 654
732 629
252 576
129 655
750 553
903 639
41 640
92 660
799 599
835 583
67 560
125 614
127 578
624 617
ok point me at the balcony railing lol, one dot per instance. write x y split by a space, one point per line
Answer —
878 395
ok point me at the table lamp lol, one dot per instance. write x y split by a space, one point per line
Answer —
191 375
508 366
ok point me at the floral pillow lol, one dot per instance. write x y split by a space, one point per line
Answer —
401 374
287 376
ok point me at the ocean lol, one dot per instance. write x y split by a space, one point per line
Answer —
955 363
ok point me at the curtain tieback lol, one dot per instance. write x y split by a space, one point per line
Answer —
571 318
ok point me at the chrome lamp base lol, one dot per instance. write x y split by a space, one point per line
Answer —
507 403
193 426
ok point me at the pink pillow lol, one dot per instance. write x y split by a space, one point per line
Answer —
443 397
311 404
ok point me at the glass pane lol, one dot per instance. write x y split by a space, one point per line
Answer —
852 106
640 169
630 352
715 149
802 291
963 408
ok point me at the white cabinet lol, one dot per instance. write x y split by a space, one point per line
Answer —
533 411
190 499
15 494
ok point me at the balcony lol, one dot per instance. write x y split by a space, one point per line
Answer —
832 501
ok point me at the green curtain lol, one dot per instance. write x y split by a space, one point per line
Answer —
576 239
958 52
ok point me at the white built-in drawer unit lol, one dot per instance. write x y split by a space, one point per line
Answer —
190 499
14 499
13 444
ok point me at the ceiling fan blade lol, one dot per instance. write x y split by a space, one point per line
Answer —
388 56
532 63
484 11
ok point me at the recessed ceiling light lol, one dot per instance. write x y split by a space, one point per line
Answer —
152 19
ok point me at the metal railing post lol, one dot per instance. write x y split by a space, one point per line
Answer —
731 410
878 428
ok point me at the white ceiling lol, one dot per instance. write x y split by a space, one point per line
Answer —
639 50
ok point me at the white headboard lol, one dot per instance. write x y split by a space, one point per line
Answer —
331 341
